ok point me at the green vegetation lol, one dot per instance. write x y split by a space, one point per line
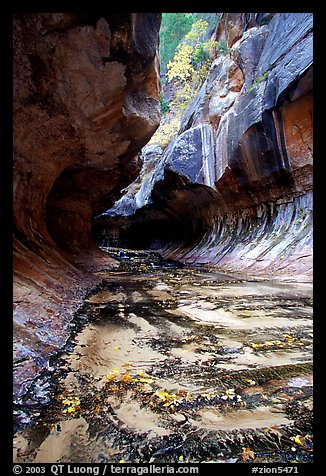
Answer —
164 105
258 81
222 48
186 53
174 27
190 54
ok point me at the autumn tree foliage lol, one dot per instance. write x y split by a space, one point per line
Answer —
174 27
183 65
190 64
186 71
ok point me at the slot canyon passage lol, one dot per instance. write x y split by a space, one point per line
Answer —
162 294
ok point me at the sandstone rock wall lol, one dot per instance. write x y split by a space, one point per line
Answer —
86 100
243 155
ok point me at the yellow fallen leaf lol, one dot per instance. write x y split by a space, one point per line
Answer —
146 380
297 439
127 378
110 376
162 394
66 401
72 401
304 441
247 454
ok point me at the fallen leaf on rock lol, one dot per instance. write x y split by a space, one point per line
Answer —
127 378
247 454
72 404
250 381
110 377
305 442
162 394
146 380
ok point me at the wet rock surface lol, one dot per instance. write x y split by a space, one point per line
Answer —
178 364
86 100
241 161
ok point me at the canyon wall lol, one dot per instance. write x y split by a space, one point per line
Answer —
86 100
234 188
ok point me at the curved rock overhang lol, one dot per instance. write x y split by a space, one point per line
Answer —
86 100
235 187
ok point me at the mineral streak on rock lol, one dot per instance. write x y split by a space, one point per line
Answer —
86 100
234 188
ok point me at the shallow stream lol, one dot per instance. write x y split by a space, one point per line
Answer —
180 364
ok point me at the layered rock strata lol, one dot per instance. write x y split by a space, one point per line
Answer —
234 188
86 100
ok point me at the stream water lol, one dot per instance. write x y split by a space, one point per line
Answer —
180 364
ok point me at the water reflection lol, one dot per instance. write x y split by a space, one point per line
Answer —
177 361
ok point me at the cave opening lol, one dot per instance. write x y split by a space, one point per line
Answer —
179 214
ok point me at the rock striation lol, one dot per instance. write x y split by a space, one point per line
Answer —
234 188
86 100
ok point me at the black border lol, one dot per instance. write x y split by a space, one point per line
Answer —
6 191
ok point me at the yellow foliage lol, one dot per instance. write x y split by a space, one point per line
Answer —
166 131
187 78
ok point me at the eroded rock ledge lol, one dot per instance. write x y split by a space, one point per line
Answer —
234 188
86 100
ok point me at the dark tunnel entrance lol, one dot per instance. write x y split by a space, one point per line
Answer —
180 214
